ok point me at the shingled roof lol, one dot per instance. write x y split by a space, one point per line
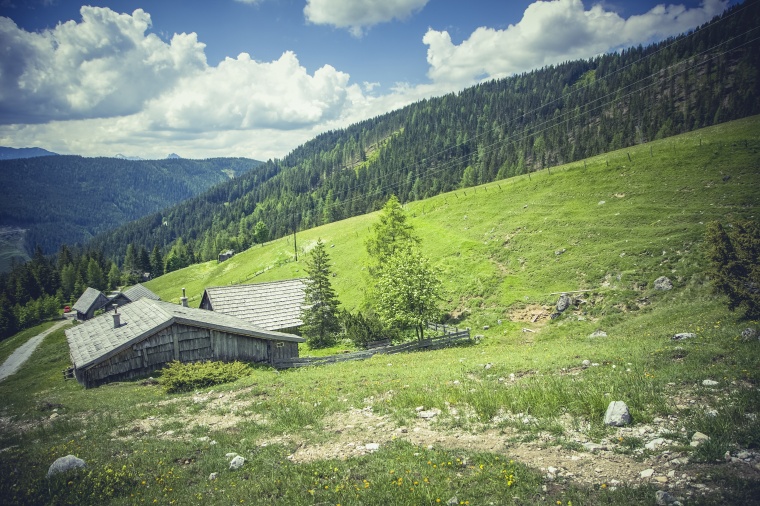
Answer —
89 298
273 306
97 339
137 292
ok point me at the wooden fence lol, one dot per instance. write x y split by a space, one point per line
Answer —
450 337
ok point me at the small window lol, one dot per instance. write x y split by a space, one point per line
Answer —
280 344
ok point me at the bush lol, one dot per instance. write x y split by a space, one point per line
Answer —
361 329
734 268
179 377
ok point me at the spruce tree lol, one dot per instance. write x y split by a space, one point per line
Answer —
320 314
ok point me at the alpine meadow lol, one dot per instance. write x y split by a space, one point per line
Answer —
513 419
543 289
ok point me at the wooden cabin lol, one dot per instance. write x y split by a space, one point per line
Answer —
90 301
225 255
131 294
144 336
273 306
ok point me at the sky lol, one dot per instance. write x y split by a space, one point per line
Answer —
257 78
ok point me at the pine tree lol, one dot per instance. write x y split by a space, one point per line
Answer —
389 233
156 263
320 318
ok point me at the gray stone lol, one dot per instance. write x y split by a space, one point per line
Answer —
709 383
372 446
663 498
617 414
749 333
237 463
212 476
654 443
598 333
428 414
453 501
647 473
563 302
663 283
698 438
586 363
683 335
63 464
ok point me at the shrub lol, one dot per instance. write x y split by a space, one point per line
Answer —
361 329
179 377
733 264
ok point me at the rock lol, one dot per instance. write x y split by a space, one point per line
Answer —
592 447
203 439
212 476
453 501
598 333
749 333
654 443
428 414
617 414
237 463
63 464
662 498
698 438
563 302
586 363
663 283
646 473
559 251
231 455
683 335
486 327
373 447
709 383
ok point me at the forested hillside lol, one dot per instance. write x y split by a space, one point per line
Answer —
69 199
498 129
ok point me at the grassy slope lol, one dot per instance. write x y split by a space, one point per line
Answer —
497 247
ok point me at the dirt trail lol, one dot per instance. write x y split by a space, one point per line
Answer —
23 352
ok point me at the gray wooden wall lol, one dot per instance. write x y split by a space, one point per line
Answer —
185 344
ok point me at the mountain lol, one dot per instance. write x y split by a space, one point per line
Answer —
131 158
15 153
495 130
69 199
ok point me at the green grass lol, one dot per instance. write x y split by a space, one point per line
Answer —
497 248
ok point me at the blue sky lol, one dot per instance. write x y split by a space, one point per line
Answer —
256 78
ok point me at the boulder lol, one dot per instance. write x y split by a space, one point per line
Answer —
617 414
749 333
564 302
598 333
63 464
237 463
663 283
683 335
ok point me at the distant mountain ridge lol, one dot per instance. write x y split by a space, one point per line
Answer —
69 199
7 153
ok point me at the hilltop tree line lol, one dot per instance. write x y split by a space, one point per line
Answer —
494 130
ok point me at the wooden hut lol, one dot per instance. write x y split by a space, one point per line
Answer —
273 306
131 294
146 335
225 255
90 301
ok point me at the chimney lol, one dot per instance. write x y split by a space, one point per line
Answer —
116 317
183 300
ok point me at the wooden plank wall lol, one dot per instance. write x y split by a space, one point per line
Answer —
183 343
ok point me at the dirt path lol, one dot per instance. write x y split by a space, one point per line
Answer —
18 357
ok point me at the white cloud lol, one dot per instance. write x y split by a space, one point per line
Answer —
356 15
552 32
244 94
103 66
